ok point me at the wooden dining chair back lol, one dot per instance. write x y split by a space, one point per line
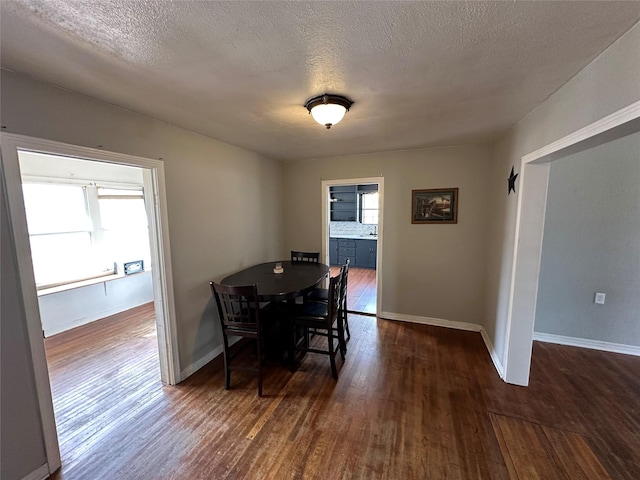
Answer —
322 294
324 319
343 298
239 312
311 257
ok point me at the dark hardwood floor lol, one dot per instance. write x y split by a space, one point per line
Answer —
412 402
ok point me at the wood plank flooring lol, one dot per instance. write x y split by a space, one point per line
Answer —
103 375
361 289
412 402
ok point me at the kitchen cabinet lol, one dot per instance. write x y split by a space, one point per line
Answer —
333 251
346 249
366 252
343 206
361 252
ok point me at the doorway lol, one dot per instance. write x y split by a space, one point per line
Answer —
152 174
529 232
87 228
352 228
591 244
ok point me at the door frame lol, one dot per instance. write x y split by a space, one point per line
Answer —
164 302
325 225
527 246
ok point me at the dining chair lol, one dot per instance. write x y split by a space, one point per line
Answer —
321 294
239 312
323 318
313 257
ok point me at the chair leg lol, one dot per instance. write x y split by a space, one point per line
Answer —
341 330
332 354
292 345
227 364
227 375
342 344
346 320
259 352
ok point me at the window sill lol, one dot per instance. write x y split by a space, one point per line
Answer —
83 283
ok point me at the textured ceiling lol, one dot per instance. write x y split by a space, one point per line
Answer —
421 73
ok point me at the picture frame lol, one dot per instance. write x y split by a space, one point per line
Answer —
436 205
136 266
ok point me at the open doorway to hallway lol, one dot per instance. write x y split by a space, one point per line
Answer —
353 231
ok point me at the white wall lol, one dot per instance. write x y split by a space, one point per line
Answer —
66 309
71 308
46 166
428 271
592 244
609 83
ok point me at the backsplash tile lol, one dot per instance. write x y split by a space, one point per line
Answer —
351 228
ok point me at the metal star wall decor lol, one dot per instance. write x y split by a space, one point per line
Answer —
512 182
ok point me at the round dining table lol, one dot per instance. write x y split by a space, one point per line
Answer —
297 279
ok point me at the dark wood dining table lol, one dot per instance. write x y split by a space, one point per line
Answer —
297 279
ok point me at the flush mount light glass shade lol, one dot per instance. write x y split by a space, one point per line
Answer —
329 114
327 109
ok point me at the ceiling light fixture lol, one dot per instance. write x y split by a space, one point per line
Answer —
328 109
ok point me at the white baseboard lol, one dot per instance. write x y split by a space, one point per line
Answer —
439 322
587 343
492 352
40 473
197 365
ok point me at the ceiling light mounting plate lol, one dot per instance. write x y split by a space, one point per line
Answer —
328 109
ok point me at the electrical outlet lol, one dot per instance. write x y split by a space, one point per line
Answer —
599 298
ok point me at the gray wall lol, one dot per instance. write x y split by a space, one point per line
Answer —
21 441
609 83
435 271
592 244
224 210
224 202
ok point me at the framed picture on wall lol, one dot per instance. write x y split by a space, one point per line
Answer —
437 205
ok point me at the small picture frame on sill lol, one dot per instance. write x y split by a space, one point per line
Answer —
136 266
436 205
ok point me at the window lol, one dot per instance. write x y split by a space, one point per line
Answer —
124 224
79 232
369 208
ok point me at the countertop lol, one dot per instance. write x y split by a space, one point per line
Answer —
359 237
